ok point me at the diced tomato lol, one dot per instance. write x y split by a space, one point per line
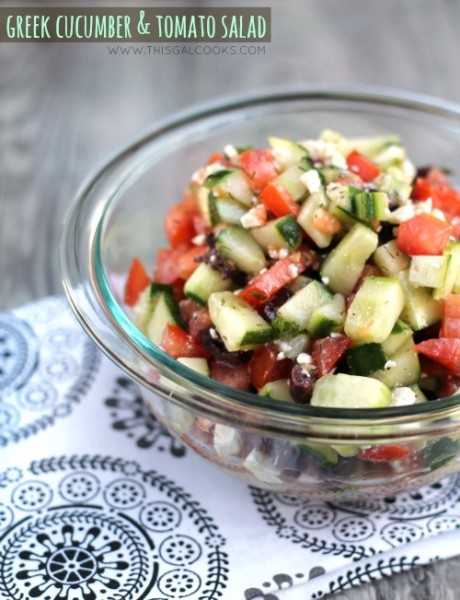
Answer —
178 343
436 177
436 187
278 200
446 199
260 166
423 234
186 263
454 220
422 189
450 385
136 283
179 224
385 453
265 367
451 317
200 224
350 179
325 222
445 351
327 352
178 290
165 269
260 213
189 201
265 285
234 376
195 316
215 157
362 166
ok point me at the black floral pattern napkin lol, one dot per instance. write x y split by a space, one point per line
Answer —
98 501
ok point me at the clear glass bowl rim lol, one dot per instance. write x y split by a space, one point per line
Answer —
200 393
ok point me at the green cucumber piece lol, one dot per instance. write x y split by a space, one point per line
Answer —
346 261
350 391
278 390
295 313
306 218
328 317
451 275
399 335
290 180
374 310
299 282
370 206
341 199
200 365
203 282
394 182
230 182
404 369
279 233
286 152
372 146
420 308
165 311
365 359
322 455
440 452
389 259
239 325
225 210
418 393
328 174
428 271
239 246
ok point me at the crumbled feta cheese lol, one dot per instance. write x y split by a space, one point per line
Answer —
325 280
273 252
409 169
438 214
389 364
262 271
335 334
251 219
280 356
213 333
199 240
283 253
324 153
199 176
407 211
227 440
257 464
232 153
403 396
391 154
304 359
311 181
293 271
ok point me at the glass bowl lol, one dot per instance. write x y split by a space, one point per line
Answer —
288 448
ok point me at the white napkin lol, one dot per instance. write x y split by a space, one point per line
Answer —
98 501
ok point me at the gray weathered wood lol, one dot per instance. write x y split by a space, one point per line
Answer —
63 108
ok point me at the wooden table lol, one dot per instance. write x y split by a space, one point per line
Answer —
64 107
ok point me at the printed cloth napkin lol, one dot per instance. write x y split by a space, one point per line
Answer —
98 501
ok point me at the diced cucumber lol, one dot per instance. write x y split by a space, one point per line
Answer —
399 335
365 359
203 282
165 311
225 210
374 310
389 259
321 454
279 390
370 206
239 325
394 182
341 198
291 347
328 174
142 310
346 261
200 365
453 249
299 282
286 152
202 195
420 308
418 393
428 271
290 180
430 383
279 233
230 182
441 452
328 317
306 218
451 274
373 145
294 314
350 391
239 246
404 368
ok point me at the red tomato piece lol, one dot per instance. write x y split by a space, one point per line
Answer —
235 376
327 352
265 367
446 199
178 343
450 385
362 166
436 177
136 283
451 317
165 269
215 157
423 234
422 189
260 166
179 224
445 351
186 263
278 200
200 224
265 285
385 453
195 316
325 222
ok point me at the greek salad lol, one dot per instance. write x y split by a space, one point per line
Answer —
325 271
